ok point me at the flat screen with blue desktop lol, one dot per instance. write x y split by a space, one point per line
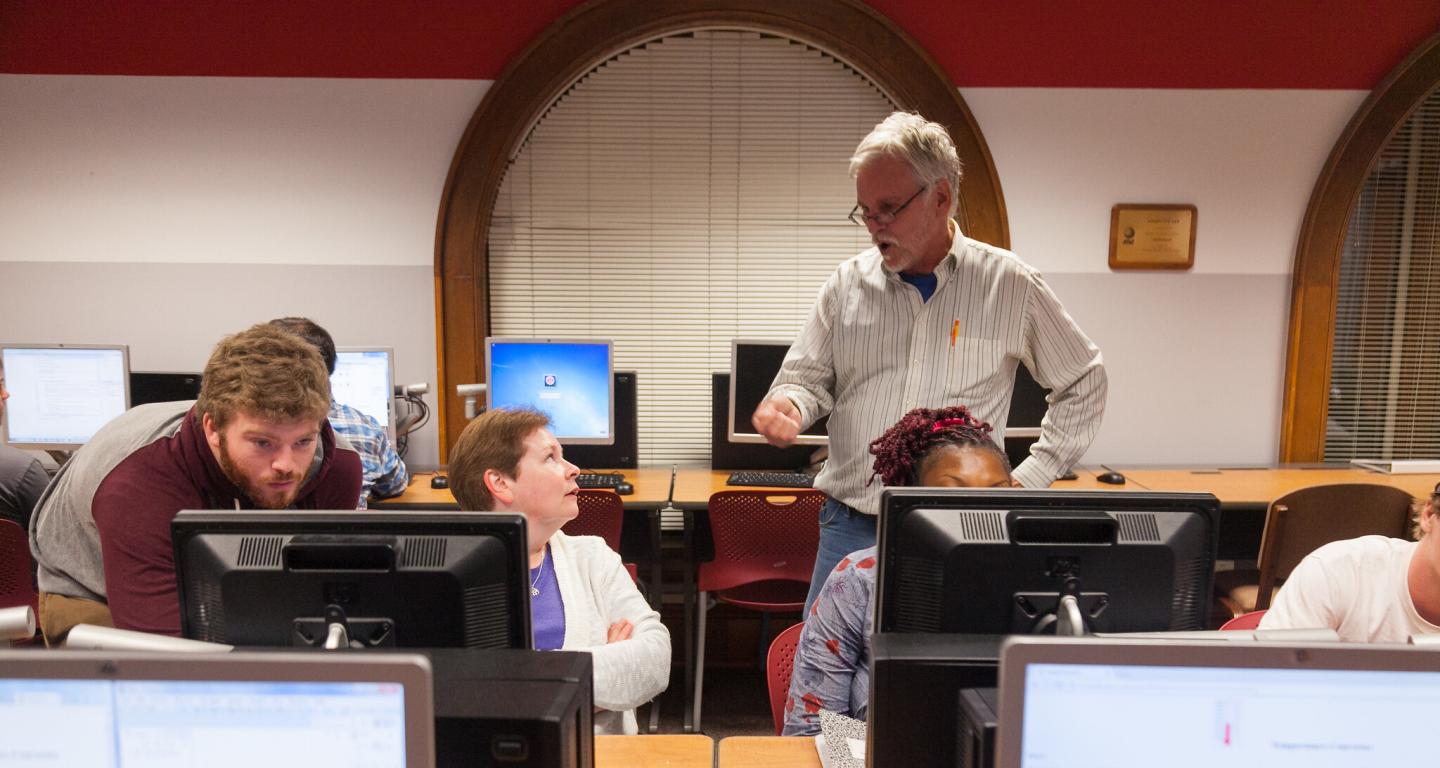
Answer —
61 394
364 379
569 380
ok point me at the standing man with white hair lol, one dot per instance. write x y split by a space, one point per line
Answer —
926 318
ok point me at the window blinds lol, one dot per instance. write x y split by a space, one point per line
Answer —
688 191
1385 371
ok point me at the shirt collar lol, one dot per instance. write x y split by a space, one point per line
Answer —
947 266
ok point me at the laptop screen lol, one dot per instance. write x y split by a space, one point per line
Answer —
1339 706
182 723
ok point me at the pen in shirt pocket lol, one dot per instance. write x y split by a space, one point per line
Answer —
954 332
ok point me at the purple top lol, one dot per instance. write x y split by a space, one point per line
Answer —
547 609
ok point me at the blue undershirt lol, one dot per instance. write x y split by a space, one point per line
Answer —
923 283
547 609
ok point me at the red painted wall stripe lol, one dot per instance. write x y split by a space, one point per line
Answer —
1340 44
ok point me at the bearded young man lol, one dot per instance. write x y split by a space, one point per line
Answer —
256 439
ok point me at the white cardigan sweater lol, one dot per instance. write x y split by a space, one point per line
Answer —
597 592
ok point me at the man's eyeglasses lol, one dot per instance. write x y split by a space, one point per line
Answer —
883 216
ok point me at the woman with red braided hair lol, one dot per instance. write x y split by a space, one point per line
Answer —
944 447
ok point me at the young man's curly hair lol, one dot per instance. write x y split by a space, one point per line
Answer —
900 453
267 373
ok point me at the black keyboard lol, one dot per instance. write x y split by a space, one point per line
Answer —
773 479
599 479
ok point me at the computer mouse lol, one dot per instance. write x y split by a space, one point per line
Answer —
439 481
624 489
1112 477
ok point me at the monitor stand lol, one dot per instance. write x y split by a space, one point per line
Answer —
337 631
1061 613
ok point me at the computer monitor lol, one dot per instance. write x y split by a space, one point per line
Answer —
1027 411
61 394
412 579
364 379
753 366
1084 701
140 709
725 454
157 387
1004 561
569 380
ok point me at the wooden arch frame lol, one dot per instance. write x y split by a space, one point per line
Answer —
587 36
1313 293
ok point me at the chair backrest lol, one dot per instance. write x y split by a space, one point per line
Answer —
602 514
779 664
1249 620
1301 521
762 536
17 570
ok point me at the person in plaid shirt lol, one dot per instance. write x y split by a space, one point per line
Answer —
944 447
385 472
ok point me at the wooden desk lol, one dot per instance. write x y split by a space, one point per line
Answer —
1257 486
671 751
768 752
1245 493
652 487
1260 486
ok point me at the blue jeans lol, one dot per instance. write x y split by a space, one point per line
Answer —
842 531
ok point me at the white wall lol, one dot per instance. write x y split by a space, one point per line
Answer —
166 212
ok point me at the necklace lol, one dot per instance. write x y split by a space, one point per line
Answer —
534 589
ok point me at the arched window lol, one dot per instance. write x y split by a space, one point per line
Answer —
672 179
1363 371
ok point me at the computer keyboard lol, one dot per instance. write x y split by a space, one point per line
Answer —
610 480
772 479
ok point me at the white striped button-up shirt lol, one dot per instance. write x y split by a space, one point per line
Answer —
872 350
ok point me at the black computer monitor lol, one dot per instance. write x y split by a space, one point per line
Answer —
569 380
753 365
1027 410
412 579
1000 561
161 387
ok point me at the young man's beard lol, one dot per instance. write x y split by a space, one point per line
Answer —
257 493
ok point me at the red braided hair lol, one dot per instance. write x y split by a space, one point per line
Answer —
901 451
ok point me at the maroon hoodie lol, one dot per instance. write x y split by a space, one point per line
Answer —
136 501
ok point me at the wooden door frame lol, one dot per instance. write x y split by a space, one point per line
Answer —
1314 289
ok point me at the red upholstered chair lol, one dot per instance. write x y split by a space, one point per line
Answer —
765 543
1249 620
17 585
779 664
602 514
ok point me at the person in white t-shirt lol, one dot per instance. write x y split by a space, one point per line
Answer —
1372 589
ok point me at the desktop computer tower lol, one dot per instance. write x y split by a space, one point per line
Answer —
979 708
915 684
727 455
623 454
147 387
526 709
